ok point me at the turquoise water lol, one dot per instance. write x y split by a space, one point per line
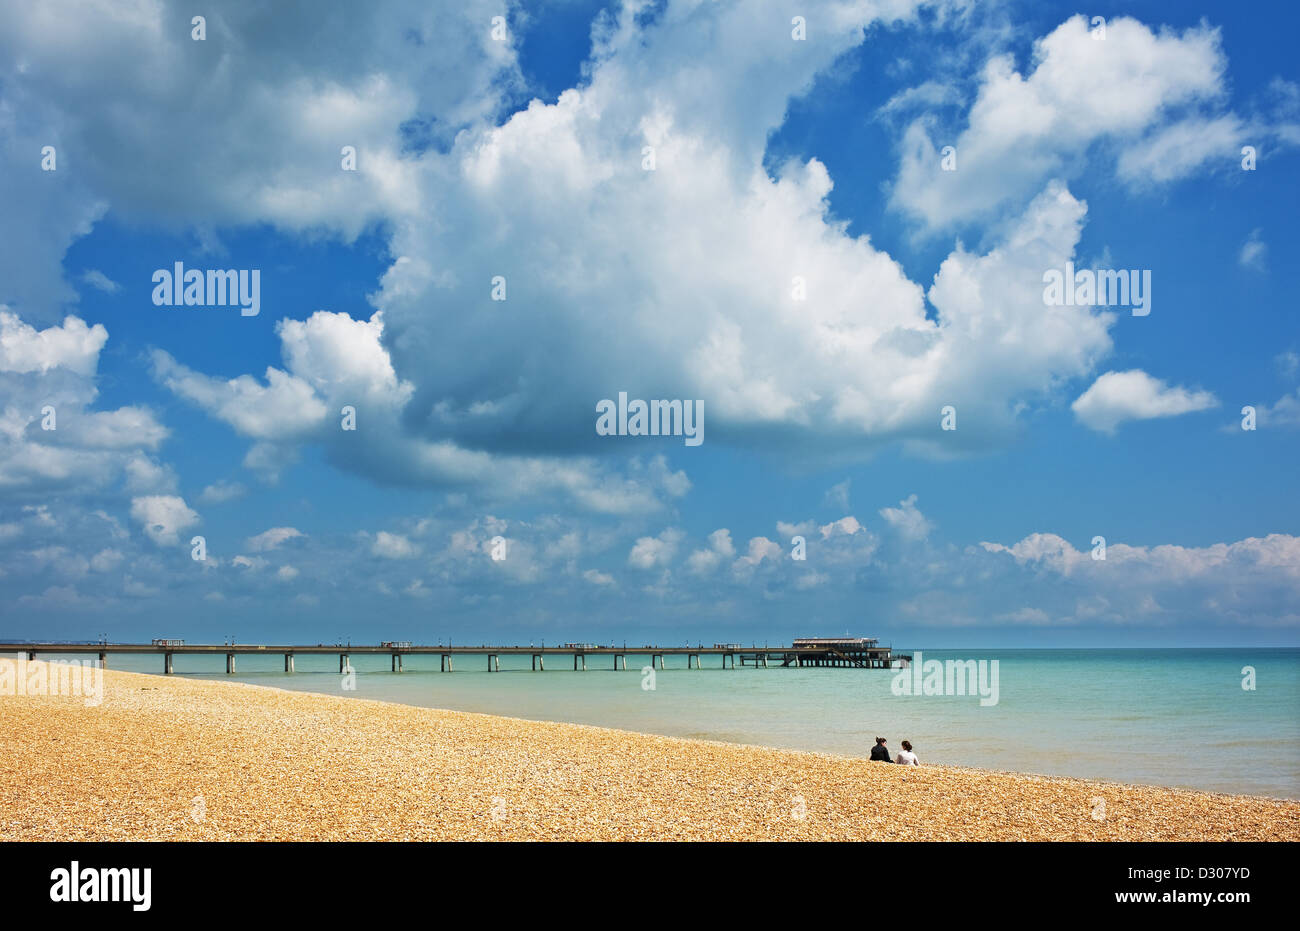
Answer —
1166 717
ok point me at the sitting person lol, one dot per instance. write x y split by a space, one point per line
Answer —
906 756
880 753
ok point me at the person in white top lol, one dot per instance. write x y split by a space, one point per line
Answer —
906 756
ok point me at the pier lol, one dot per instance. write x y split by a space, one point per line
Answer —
845 653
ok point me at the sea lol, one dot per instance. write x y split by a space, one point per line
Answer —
1224 720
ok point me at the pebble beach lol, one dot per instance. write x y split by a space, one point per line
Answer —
165 758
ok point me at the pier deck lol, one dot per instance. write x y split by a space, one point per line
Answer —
864 655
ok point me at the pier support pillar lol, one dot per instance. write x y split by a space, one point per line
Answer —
230 664
397 662
494 663
539 662
167 663
288 662
103 660
31 656
444 662
692 658
343 663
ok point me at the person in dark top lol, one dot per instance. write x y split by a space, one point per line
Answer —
880 753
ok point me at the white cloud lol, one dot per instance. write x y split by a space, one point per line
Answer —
1034 616
392 546
417 589
1023 129
269 459
71 345
697 259
221 492
99 281
145 476
711 239
1285 412
1170 563
163 517
649 552
279 94
1117 397
720 549
1254 251
838 495
56 597
270 539
811 580
859 362
700 254
1047 548
106 560
284 408
760 548
137 589
567 547
845 526
51 440
1181 148
124 428
907 519
1050 580
1252 581
333 361
925 96
803 528
61 560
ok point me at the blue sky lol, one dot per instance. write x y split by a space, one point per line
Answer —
775 158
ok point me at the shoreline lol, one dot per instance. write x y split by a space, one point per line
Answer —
168 758
845 757
731 738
